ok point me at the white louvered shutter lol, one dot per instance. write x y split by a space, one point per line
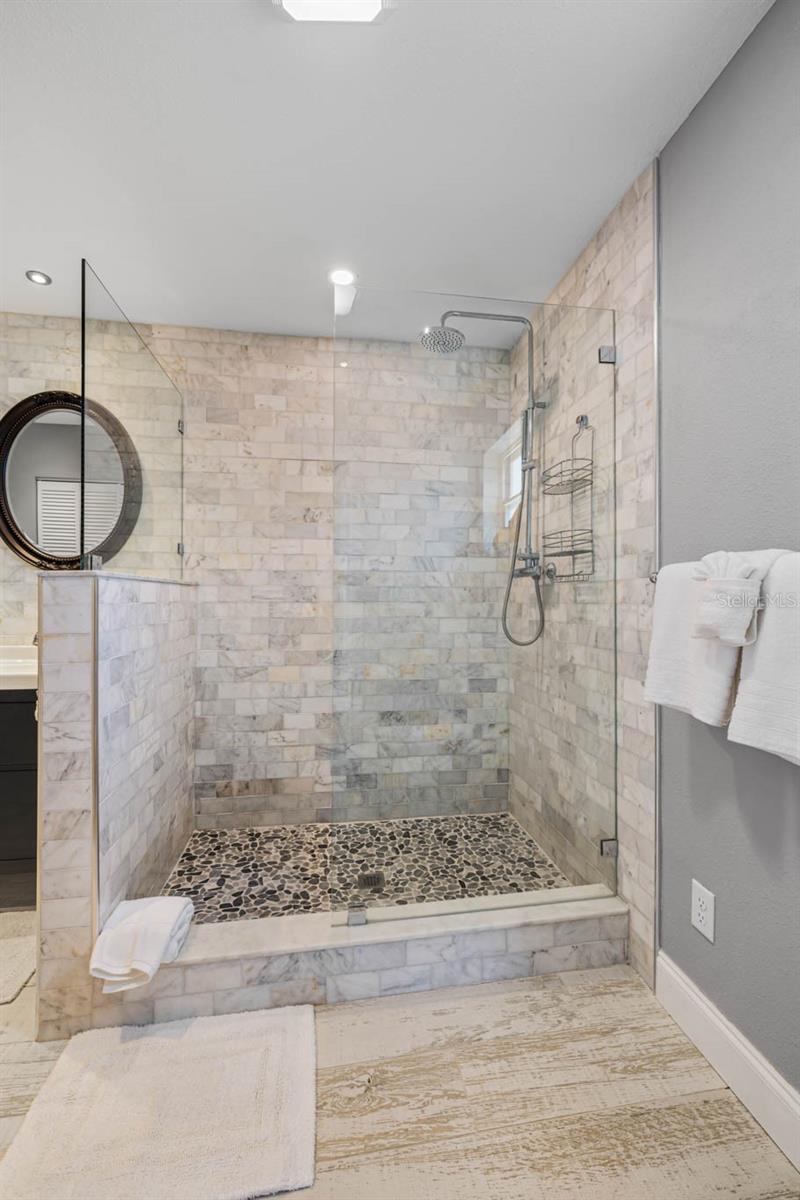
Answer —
103 505
58 513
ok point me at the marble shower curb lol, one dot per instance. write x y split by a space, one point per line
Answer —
243 965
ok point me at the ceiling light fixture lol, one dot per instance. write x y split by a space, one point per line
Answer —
342 277
38 277
332 10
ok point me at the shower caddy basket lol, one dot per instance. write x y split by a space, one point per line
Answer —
571 477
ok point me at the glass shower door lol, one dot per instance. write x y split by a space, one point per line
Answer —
452 770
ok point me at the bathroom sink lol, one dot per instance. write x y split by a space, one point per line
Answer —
19 667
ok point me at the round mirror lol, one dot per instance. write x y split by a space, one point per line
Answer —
42 503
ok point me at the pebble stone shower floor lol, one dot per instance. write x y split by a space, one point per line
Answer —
284 869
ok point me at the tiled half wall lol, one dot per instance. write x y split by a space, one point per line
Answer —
115 759
146 655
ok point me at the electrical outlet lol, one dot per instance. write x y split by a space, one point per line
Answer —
703 910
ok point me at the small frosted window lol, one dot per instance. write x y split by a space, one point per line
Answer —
512 481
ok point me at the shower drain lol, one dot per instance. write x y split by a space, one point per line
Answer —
371 881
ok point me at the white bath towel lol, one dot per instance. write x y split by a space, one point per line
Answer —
137 938
729 595
695 675
767 709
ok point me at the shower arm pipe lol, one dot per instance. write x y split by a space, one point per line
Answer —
484 316
528 464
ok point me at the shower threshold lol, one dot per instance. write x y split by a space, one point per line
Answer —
235 966
498 902
466 863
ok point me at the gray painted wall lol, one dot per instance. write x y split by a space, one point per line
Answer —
731 480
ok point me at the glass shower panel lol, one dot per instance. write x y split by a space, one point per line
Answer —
562 711
465 768
132 484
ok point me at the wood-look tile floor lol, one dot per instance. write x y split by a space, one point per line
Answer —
566 1087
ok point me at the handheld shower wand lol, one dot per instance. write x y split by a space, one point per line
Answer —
444 339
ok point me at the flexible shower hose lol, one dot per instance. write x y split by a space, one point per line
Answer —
510 584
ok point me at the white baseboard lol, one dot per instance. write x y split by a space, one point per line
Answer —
774 1103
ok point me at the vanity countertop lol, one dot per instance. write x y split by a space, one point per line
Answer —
19 668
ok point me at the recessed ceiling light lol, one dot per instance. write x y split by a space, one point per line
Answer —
344 363
342 276
38 277
332 10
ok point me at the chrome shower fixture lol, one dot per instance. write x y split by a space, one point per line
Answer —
445 339
442 339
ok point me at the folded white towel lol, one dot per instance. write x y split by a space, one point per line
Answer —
767 709
729 595
137 938
695 675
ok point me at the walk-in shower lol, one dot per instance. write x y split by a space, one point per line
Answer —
456 733
384 726
317 719
444 339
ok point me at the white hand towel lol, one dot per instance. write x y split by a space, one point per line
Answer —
729 595
137 938
695 675
767 709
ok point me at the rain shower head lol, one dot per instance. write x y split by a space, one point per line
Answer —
441 339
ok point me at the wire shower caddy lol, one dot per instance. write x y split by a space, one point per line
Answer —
573 476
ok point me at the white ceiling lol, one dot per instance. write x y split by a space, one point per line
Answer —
213 160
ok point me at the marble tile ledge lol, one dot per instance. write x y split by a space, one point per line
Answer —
188 583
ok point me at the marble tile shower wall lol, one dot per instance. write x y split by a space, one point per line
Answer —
416 593
561 708
408 644
39 353
259 536
420 666
146 651
66 842
123 376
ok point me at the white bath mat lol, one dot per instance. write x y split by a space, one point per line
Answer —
213 1108
17 964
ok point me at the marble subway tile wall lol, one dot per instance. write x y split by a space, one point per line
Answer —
562 703
146 652
37 354
40 353
399 677
420 665
259 533
122 649
124 377
259 521
67 846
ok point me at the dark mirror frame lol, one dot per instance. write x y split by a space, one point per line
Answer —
12 424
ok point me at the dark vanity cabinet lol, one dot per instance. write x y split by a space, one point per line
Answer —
17 777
